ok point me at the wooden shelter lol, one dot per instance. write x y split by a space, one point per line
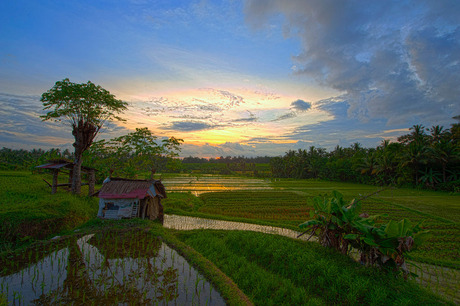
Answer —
126 198
58 165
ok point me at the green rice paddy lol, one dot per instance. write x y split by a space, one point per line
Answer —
270 269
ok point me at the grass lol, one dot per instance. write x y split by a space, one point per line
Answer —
266 268
275 270
28 211
289 202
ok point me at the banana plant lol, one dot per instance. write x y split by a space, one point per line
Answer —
332 219
342 227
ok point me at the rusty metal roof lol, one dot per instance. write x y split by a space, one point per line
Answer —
120 188
53 166
62 163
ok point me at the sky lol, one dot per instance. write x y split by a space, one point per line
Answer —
235 78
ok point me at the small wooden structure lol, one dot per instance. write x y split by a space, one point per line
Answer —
57 165
126 198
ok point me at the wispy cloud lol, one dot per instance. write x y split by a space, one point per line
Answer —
285 116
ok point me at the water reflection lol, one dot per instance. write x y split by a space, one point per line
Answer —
110 268
191 223
213 183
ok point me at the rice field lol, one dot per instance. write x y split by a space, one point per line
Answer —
280 203
286 203
285 271
198 184
105 268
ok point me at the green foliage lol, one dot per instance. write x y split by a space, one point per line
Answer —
27 160
275 270
338 225
181 202
133 153
81 102
86 107
418 159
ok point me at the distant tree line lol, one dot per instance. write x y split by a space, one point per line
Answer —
227 160
426 158
137 153
241 165
11 159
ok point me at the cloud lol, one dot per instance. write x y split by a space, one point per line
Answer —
344 130
22 127
232 149
391 60
188 126
300 105
227 98
252 118
285 116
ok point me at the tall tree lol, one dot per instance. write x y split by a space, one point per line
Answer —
86 107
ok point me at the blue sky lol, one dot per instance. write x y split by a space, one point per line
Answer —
255 77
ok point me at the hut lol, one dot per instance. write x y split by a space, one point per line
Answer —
126 198
64 165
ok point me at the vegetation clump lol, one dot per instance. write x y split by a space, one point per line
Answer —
340 226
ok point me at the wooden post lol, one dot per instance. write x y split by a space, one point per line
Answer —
70 176
55 181
91 181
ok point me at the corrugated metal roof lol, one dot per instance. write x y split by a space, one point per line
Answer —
53 166
62 163
118 188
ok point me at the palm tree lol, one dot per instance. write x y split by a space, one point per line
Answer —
417 135
443 153
437 133
415 155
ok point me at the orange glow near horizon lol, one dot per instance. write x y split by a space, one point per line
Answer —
214 117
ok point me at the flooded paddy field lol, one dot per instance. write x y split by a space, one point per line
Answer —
105 268
185 223
198 184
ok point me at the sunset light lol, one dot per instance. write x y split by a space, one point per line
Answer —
235 77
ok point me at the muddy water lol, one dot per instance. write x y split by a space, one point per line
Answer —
129 268
190 223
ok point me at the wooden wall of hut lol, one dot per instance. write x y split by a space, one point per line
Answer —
151 208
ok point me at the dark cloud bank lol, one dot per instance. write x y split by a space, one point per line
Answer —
393 60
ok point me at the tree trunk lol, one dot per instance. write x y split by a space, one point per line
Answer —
55 181
76 178
84 133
